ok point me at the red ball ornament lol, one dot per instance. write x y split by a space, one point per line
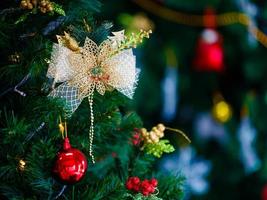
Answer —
209 52
70 164
264 193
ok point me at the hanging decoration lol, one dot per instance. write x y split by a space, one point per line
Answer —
70 164
209 51
84 70
194 168
151 141
169 86
264 192
247 134
43 5
221 110
207 128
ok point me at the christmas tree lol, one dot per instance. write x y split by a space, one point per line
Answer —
68 130
205 71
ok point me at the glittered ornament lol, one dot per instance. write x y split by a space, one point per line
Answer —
70 164
209 52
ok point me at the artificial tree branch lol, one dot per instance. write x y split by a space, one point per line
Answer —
15 88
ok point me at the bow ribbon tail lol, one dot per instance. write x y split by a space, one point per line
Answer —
91 129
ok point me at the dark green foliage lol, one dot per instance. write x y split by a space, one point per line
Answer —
29 125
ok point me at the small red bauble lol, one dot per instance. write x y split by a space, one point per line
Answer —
264 193
70 164
209 52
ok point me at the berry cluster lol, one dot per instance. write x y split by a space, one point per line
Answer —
43 5
146 187
154 135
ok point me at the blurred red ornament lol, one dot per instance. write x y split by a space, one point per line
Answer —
264 193
70 165
209 52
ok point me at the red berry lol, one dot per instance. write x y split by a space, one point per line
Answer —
129 185
154 182
136 188
145 187
145 193
136 139
133 184
135 180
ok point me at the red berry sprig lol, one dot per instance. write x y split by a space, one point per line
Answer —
146 187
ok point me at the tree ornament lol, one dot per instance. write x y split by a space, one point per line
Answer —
70 164
264 192
111 65
209 52
68 41
136 138
169 86
43 5
133 183
152 142
247 135
146 187
195 168
221 110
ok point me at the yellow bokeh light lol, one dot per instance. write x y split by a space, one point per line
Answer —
222 111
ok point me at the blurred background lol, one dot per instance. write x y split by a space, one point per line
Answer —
204 71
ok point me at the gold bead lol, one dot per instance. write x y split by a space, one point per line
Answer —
149 141
43 3
161 127
154 137
158 133
23 4
50 8
43 10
